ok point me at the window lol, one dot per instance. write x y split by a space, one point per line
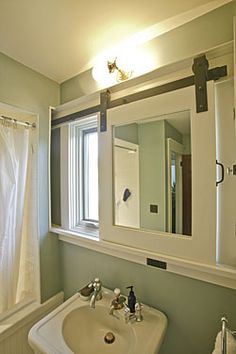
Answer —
83 175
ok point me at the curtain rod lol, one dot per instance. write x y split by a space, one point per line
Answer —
14 121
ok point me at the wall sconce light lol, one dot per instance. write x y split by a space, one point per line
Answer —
121 75
130 63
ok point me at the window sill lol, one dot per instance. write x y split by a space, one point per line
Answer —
216 274
86 231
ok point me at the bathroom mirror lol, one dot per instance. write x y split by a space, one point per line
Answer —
164 108
152 174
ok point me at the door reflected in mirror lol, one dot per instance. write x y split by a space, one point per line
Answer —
152 174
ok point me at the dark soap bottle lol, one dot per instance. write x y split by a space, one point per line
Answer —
131 299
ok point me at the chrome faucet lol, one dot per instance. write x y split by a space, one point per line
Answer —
133 316
97 292
119 303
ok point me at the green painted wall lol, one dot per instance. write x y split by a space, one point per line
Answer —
152 174
205 32
187 144
23 87
171 132
128 132
193 308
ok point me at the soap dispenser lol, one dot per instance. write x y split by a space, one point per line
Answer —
131 299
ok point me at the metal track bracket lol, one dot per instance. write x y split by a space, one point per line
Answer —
200 69
104 103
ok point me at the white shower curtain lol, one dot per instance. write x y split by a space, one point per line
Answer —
18 216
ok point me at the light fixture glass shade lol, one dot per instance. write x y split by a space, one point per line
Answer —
131 62
101 74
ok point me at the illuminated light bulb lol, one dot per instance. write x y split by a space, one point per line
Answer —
129 62
101 74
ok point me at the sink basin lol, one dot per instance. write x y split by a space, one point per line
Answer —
84 330
76 328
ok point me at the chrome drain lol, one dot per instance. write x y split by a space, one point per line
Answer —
109 338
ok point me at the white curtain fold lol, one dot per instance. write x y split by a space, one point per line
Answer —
17 208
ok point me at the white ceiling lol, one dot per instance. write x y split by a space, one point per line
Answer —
60 38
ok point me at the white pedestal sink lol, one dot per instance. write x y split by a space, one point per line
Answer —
76 328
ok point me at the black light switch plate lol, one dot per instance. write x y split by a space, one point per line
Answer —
156 263
153 208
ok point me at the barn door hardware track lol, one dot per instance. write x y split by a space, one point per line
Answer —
202 74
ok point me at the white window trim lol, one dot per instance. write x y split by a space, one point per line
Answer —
71 186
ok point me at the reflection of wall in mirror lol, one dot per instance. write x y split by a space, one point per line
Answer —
151 140
182 210
152 174
151 137
172 133
127 132
126 163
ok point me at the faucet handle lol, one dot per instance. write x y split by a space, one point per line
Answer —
96 281
138 311
117 293
126 313
95 284
119 301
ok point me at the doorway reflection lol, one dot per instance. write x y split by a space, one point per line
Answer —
150 161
